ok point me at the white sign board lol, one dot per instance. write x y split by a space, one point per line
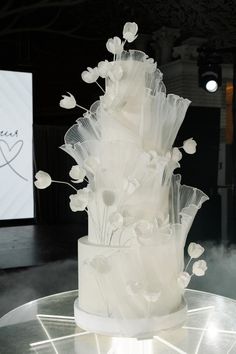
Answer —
16 160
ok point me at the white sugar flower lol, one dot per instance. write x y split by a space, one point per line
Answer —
108 197
176 154
114 45
79 201
115 73
103 68
153 154
151 296
143 228
87 114
43 180
130 31
184 279
68 102
195 250
116 220
90 75
199 268
153 159
77 173
130 185
189 146
134 288
91 164
107 101
100 264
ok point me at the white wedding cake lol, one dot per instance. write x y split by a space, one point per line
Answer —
131 264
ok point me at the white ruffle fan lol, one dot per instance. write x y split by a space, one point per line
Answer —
131 265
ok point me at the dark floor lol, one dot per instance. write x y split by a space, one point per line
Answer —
33 245
36 261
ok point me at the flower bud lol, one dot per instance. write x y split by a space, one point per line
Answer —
199 268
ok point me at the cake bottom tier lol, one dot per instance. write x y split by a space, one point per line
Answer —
129 291
131 327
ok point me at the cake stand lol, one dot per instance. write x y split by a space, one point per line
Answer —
47 326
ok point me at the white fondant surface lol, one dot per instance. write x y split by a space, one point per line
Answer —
128 291
138 328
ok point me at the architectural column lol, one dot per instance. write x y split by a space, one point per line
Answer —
164 40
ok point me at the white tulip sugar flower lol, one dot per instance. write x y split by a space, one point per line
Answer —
103 68
77 173
199 268
114 45
130 31
90 75
143 228
130 185
116 220
176 154
195 250
43 180
108 197
79 201
184 279
68 102
189 146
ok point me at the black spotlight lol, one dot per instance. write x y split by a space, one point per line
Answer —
209 71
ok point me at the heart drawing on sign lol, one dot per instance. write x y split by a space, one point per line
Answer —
9 153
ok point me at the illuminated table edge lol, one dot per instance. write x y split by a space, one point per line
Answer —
70 296
76 292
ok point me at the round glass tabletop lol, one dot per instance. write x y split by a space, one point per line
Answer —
47 326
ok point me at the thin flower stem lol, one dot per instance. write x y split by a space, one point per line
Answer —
111 236
99 224
85 109
62 182
100 86
103 235
94 222
188 264
106 230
